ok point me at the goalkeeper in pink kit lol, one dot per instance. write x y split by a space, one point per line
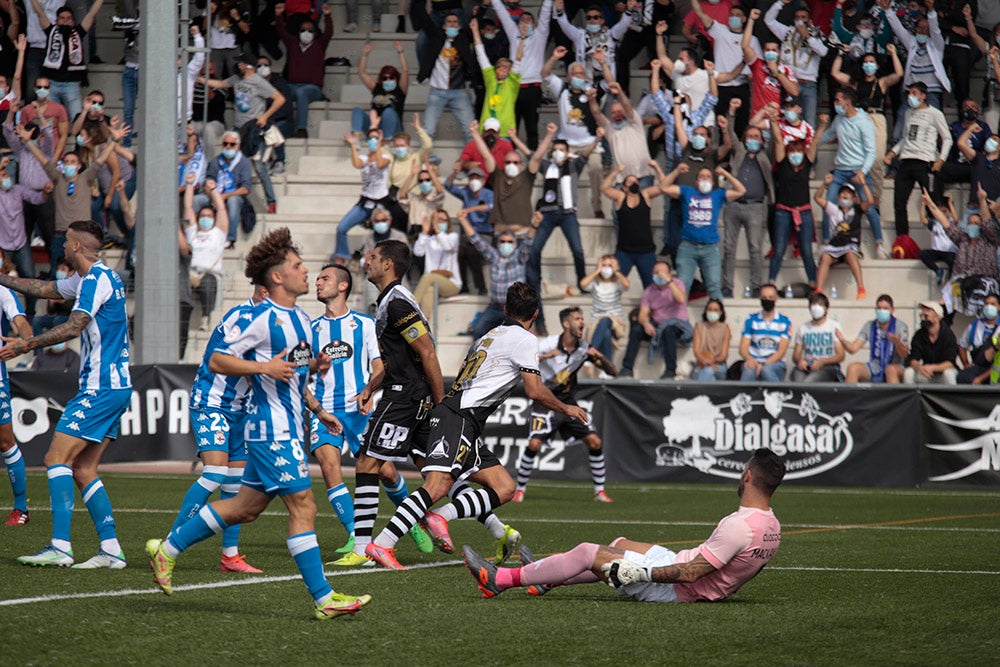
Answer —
739 547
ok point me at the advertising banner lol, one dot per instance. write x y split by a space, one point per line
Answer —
961 437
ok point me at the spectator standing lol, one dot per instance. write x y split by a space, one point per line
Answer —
36 43
818 352
990 50
14 240
203 237
438 245
765 340
284 117
498 147
772 80
976 244
631 203
477 202
975 340
227 30
388 91
888 345
502 82
934 349
421 195
688 78
126 19
955 18
92 116
625 134
596 37
374 167
844 214
53 112
528 37
711 343
65 64
41 218
512 186
306 62
231 172
606 285
943 249
969 135
449 66
694 30
209 106
663 318
802 49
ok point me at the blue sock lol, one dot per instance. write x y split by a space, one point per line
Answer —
199 493
397 492
201 526
343 505
231 535
61 496
305 550
95 497
18 479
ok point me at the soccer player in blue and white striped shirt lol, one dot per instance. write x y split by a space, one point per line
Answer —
90 420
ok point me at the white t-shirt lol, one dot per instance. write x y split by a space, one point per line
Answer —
695 86
729 51
607 298
206 248
818 341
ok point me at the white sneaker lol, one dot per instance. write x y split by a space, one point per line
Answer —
880 252
351 27
204 323
103 561
48 556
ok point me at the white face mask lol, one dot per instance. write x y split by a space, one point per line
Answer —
512 170
559 156
846 203
264 71
680 66
817 311
306 37
607 272
704 187
475 185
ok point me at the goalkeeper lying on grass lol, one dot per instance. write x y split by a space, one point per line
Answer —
739 547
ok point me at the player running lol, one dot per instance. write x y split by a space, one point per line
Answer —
739 547
495 363
218 414
348 339
273 350
560 358
90 421
12 317
410 380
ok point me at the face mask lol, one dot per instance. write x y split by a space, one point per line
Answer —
475 185
712 316
791 116
42 93
839 109
594 28
997 40
970 115
680 66
990 311
973 231
866 33
698 142
869 68
559 156
264 70
991 145
229 153
659 280
608 271
578 83
69 171
817 311
401 151
372 143
634 188
80 141
3 91
389 86
846 203
424 187
913 101
795 159
489 35
618 126
704 187
883 315
205 222
753 145
771 56
97 107
452 33
443 227
60 275
512 170
306 37
735 23
529 32
766 134
7 183
380 227
506 249
767 305
925 324
490 140
58 347
921 39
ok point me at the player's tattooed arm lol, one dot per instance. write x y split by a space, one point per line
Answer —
40 289
72 328
312 403
683 572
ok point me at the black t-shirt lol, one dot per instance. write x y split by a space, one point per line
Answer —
635 233
382 100
64 53
706 158
945 348
399 322
986 172
792 187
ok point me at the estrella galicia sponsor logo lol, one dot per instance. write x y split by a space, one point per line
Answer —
300 355
987 442
338 351
715 438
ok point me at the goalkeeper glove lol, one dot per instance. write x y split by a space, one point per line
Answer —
621 572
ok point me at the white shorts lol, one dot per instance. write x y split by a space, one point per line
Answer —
649 591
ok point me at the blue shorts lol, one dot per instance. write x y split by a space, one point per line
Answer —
354 424
95 415
277 468
217 430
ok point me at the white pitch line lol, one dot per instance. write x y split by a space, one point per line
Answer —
878 570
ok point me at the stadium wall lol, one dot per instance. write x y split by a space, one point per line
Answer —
829 434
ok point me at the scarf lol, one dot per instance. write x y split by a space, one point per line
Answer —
557 188
64 46
882 349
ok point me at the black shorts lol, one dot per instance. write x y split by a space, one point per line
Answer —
454 445
397 430
545 423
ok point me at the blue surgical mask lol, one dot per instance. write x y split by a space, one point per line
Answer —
991 145
766 134
913 101
97 107
973 231
401 151
578 83
58 347
80 141
594 28
7 183
489 36
451 33
921 39
796 158
659 280
372 143
443 227
206 222
424 187
42 93
753 145
60 275
791 116
69 170
989 311
698 142
735 23
869 68
883 315
506 248
380 227
389 86
771 56
997 40
620 125
229 153
839 109
529 32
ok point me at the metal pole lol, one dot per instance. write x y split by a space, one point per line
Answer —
157 301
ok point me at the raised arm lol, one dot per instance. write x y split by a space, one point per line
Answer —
543 147
738 189
820 196
43 19
363 67
88 19
607 185
484 151
558 54
813 148
749 55
21 44
890 80
518 144
706 20
837 72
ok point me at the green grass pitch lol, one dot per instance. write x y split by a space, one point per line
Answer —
863 577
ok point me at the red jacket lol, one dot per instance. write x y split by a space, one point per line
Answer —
305 65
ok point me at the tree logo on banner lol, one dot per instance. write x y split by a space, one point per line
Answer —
988 443
714 437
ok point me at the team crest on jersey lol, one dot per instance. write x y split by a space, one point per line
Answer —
314 437
338 350
440 449
303 469
300 355
232 334
220 438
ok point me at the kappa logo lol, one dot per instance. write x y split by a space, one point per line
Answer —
203 429
85 403
280 461
988 443
276 447
202 417
90 392
73 426
713 438
79 414
285 477
3 394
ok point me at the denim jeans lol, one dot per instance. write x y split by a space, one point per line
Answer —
264 174
768 373
130 91
673 221
305 94
457 101
24 260
67 93
809 96
234 207
709 374
58 249
390 122
783 227
667 343
571 230
358 215
491 317
703 256
841 176
602 339
642 261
